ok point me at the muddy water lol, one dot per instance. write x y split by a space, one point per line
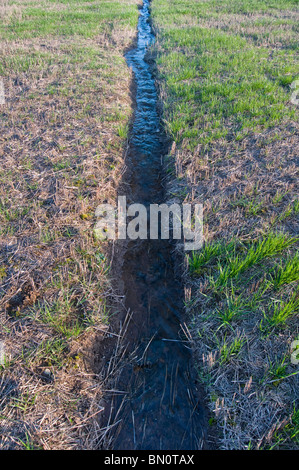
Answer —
161 409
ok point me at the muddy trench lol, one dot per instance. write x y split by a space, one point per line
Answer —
159 407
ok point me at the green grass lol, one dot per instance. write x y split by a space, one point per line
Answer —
235 307
230 350
61 315
209 252
51 352
226 266
286 273
85 20
289 434
269 246
232 264
224 84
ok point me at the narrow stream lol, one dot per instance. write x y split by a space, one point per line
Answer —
161 410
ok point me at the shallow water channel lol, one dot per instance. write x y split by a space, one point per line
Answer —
161 410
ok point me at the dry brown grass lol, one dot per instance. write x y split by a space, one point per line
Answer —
61 155
247 190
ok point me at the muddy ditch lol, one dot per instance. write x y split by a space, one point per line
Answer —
156 403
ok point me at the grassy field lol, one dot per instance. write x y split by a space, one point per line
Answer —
225 71
63 133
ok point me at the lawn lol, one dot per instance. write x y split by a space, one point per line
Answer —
226 72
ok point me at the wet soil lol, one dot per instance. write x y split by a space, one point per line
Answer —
161 408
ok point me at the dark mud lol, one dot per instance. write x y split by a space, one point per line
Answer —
161 409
